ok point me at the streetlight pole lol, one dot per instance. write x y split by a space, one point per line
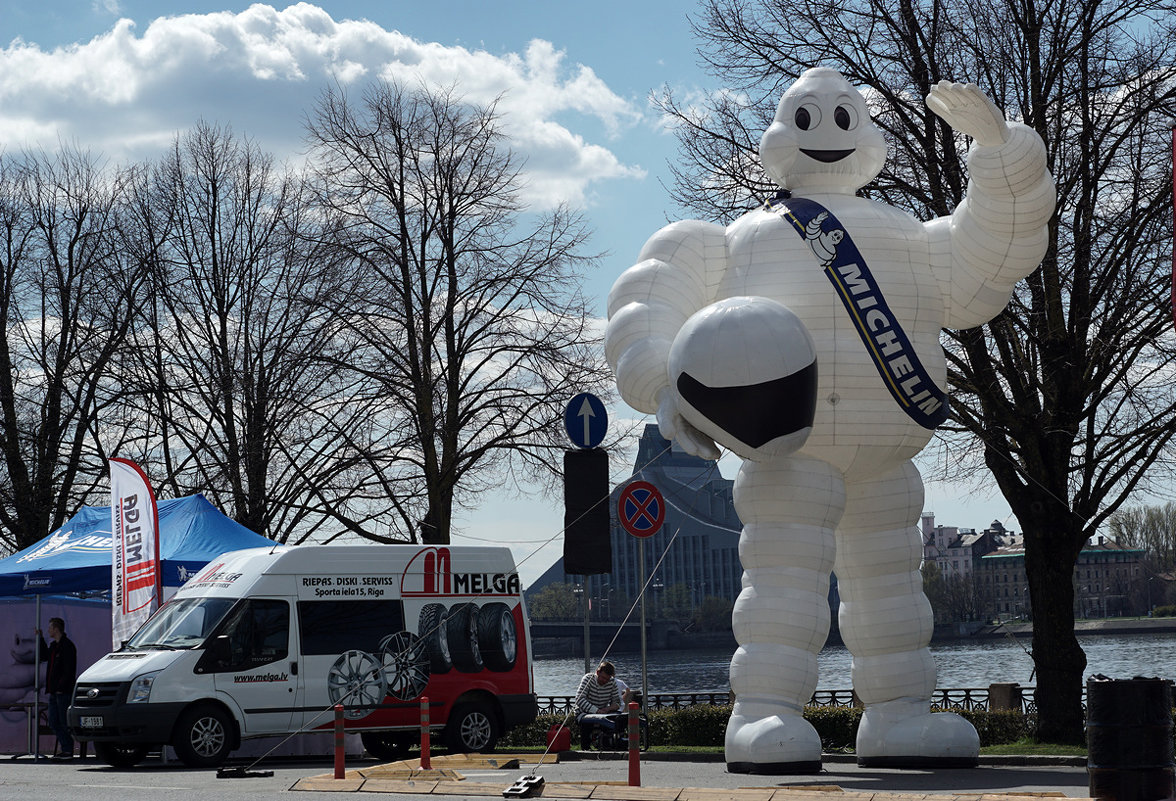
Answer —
581 590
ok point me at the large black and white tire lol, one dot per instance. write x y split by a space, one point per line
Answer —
472 728
406 666
120 755
356 680
432 631
387 746
461 629
203 737
498 639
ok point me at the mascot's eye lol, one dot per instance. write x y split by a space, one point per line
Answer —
845 117
807 117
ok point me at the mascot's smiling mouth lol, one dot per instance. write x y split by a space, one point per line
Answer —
827 156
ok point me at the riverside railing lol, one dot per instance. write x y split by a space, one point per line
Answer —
966 698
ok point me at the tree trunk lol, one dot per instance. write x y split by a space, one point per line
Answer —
1057 657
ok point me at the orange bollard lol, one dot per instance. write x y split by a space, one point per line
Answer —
425 763
340 773
634 746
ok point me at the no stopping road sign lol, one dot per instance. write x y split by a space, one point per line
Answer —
641 509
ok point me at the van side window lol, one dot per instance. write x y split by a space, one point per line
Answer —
258 632
333 627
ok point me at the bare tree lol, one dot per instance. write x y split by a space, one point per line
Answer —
1152 528
1066 397
465 306
67 301
239 380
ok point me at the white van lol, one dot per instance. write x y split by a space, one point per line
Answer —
267 640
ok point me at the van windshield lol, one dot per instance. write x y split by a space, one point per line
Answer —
181 624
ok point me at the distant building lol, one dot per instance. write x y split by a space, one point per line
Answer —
700 520
957 551
1106 576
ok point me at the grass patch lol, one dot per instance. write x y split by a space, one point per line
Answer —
1027 747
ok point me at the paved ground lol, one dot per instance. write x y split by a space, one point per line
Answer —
606 777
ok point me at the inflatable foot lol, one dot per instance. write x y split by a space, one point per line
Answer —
775 744
902 734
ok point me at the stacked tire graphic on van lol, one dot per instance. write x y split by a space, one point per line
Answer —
465 637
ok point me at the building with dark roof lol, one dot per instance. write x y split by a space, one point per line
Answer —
1107 578
697 544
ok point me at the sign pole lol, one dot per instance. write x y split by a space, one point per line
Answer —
641 510
641 584
587 628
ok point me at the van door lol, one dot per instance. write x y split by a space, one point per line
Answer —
257 671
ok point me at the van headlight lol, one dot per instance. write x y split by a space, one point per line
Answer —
140 691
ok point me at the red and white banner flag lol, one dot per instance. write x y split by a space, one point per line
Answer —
136 579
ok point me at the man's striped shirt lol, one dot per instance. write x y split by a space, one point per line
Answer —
593 695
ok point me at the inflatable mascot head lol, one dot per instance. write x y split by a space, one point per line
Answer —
822 139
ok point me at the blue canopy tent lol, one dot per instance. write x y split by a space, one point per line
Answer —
76 557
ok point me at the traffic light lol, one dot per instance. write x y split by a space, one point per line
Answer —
587 548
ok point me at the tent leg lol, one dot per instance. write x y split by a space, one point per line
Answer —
33 721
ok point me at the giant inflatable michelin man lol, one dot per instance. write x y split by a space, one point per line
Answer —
805 337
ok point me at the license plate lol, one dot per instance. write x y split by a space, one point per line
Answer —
91 722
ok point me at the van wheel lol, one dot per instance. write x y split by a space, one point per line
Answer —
406 665
461 629
203 737
356 680
432 631
120 755
471 728
386 746
497 637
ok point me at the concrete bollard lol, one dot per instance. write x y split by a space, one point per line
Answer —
1004 696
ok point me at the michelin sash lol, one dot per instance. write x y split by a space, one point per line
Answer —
895 359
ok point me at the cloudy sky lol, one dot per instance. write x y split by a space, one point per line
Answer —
123 77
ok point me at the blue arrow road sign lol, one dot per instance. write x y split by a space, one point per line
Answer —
586 420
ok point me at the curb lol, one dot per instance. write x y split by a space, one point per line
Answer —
1006 760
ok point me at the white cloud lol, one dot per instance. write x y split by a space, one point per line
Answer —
126 92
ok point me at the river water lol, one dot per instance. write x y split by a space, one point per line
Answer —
960 664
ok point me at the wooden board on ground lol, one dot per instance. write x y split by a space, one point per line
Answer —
497 761
395 771
473 789
711 794
399 786
822 793
627 793
328 783
809 788
567 790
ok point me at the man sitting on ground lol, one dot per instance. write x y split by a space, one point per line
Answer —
595 699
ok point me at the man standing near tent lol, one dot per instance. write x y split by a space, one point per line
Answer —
60 674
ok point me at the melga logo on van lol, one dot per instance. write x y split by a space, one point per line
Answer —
430 572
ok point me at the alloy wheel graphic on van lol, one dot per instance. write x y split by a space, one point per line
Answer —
406 665
356 680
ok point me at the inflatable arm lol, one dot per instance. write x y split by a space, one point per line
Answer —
674 277
998 234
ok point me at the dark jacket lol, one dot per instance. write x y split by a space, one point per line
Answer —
62 660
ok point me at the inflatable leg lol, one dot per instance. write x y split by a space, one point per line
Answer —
789 508
886 623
